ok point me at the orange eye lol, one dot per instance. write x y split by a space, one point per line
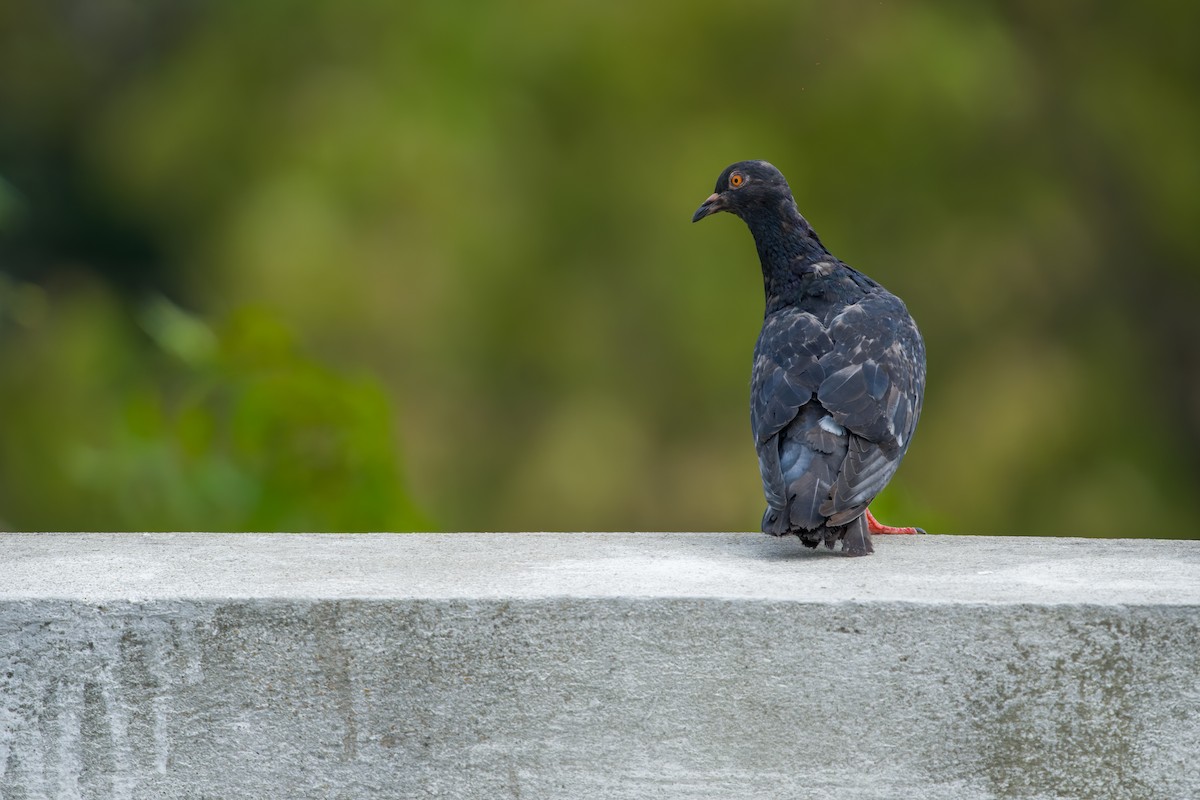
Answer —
736 180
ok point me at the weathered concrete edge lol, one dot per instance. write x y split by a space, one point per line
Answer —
921 569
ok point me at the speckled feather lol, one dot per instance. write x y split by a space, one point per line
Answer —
839 371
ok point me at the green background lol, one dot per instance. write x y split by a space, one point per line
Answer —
429 265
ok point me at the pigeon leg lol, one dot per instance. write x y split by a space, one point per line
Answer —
875 526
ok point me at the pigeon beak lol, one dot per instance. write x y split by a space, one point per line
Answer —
712 205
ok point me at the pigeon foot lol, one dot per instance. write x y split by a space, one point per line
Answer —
875 526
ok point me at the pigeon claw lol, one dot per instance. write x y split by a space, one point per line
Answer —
875 526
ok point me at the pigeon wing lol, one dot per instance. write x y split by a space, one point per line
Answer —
873 384
787 374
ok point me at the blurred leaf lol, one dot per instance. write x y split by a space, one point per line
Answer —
229 430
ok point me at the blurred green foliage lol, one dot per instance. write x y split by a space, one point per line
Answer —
178 426
437 255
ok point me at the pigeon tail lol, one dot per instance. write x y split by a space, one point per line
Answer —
857 538
854 536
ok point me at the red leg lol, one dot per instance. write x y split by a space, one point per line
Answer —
875 526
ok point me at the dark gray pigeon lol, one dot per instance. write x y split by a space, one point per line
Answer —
839 372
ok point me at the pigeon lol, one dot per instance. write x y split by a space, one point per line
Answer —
839 372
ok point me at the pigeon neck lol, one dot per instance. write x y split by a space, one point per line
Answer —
787 248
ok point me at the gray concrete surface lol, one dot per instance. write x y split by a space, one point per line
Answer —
622 665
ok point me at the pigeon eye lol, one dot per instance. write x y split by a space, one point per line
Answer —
736 180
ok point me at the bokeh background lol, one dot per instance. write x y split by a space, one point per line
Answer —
429 265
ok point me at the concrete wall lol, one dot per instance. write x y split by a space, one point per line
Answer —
596 666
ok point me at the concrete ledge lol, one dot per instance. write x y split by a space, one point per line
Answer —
596 666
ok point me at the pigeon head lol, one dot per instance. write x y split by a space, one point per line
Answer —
747 189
